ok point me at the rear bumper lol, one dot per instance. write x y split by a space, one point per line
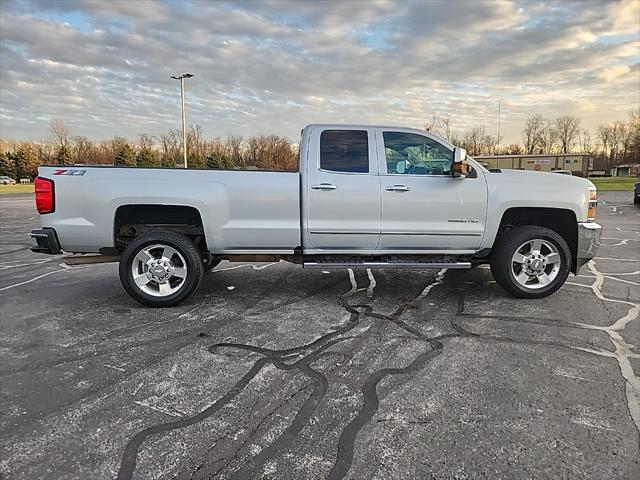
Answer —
46 241
588 242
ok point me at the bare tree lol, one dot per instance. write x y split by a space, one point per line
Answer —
234 146
513 149
446 131
59 131
83 150
195 141
548 138
566 129
584 140
170 147
532 132
433 124
617 134
145 141
473 140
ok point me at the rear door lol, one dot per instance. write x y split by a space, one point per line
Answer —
342 190
423 206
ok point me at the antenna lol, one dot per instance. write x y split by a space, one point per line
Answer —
498 147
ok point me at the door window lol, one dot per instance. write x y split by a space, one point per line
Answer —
413 154
344 151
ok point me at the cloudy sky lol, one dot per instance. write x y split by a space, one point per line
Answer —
272 66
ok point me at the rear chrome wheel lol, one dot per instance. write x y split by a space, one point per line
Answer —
161 269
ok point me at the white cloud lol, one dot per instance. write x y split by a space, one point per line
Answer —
611 73
271 67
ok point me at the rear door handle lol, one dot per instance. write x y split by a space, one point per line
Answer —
324 186
397 188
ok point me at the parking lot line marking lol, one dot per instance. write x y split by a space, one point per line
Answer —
114 367
4 267
623 351
437 281
255 267
31 280
372 283
354 284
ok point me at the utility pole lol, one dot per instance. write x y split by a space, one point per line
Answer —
498 147
184 114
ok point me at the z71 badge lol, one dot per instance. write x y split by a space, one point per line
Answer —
72 172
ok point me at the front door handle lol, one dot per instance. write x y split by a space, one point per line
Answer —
324 186
397 188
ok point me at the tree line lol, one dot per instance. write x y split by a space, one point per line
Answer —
612 144
21 159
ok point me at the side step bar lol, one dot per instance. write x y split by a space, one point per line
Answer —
416 265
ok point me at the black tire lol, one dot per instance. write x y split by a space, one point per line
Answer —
636 200
184 246
507 245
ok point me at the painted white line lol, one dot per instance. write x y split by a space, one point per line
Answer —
628 231
611 278
63 268
4 267
354 284
255 267
438 281
620 243
619 259
114 367
561 373
372 283
623 351
31 280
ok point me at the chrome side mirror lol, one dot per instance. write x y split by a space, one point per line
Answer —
459 165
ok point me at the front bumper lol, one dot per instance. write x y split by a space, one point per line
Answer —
588 242
46 241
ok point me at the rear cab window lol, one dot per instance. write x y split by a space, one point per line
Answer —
344 151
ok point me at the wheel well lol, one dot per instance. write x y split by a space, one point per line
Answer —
560 220
134 220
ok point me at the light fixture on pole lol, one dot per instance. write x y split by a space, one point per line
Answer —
184 115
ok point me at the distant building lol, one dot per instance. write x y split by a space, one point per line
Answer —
578 163
626 170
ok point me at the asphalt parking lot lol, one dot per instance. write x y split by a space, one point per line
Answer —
270 371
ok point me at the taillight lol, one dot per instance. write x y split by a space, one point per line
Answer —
45 196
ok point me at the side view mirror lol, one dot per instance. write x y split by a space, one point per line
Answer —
459 165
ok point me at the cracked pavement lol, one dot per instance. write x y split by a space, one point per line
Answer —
271 371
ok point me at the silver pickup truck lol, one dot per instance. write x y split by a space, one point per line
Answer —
364 197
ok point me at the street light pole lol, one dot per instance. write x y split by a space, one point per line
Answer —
184 115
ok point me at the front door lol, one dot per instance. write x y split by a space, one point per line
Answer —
423 206
342 192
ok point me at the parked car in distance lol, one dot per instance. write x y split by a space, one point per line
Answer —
636 193
364 197
4 180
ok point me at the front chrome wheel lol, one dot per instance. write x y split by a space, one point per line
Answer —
536 263
159 270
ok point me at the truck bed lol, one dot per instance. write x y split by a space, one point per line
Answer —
242 210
